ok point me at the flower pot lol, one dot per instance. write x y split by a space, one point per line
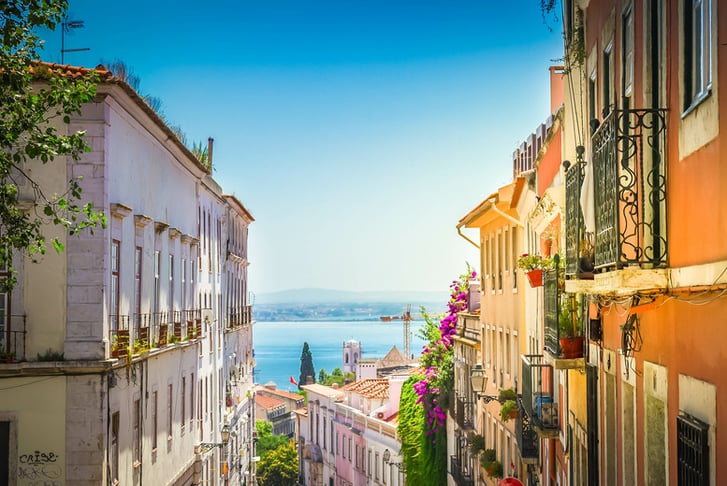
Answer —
535 277
571 347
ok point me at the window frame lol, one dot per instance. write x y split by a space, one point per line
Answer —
696 45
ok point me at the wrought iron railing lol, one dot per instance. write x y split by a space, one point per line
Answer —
461 476
578 244
629 174
551 306
239 316
139 332
12 339
536 399
463 412
527 438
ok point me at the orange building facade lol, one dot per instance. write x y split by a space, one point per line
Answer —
645 246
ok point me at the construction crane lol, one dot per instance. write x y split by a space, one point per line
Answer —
406 318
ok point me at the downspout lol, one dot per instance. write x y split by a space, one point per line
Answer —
459 232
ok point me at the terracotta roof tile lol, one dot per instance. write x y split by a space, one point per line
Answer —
281 393
38 67
268 402
369 388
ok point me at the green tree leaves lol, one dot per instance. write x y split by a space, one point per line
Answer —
278 464
306 366
37 106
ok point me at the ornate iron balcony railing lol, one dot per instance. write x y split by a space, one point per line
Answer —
629 180
551 305
463 413
527 438
459 474
537 396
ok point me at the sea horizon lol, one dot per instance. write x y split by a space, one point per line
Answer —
279 344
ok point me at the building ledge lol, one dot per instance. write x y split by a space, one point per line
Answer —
564 363
626 281
49 368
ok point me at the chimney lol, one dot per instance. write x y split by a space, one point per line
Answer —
210 144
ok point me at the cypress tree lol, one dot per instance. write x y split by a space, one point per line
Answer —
306 366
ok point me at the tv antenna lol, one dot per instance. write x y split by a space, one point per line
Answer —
66 26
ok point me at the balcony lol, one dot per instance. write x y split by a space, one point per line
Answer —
464 413
537 400
138 333
12 339
460 474
527 437
629 206
239 316
563 323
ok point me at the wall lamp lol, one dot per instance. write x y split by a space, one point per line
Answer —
478 379
204 447
387 459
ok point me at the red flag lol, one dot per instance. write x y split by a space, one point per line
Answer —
293 381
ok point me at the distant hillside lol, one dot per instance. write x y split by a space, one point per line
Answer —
328 296
340 311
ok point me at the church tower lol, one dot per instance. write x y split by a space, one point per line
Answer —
351 355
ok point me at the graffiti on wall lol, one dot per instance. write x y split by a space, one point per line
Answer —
40 468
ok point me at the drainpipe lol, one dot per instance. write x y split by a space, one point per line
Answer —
459 232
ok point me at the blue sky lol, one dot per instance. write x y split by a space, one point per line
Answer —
357 133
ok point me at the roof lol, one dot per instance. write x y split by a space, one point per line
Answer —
243 209
107 77
488 210
370 388
281 393
324 390
393 358
268 402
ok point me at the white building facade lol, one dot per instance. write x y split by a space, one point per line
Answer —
125 350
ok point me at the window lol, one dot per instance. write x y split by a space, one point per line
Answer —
191 399
697 51
199 411
137 281
5 466
627 56
592 115
608 94
169 411
114 453
183 269
136 433
115 263
170 304
184 402
692 450
154 420
157 264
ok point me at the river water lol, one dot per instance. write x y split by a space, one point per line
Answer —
278 345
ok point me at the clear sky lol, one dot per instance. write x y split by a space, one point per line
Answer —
357 133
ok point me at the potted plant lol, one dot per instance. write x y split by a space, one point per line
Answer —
570 329
477 444
488 457
494 469
506 394
509 410
586 256
533 265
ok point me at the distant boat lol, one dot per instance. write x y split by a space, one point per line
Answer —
389 318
